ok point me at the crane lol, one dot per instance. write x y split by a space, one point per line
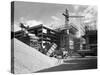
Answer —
67 27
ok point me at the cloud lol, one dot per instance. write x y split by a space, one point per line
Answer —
76 7
26 22
55 18
90 19
16 27
72 13
31 23
55 23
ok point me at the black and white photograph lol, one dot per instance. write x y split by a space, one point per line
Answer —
52 37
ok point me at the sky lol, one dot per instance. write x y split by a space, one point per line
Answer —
50 15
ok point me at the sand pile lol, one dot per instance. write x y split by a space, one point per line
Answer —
28 59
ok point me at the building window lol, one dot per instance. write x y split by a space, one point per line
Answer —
44 31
